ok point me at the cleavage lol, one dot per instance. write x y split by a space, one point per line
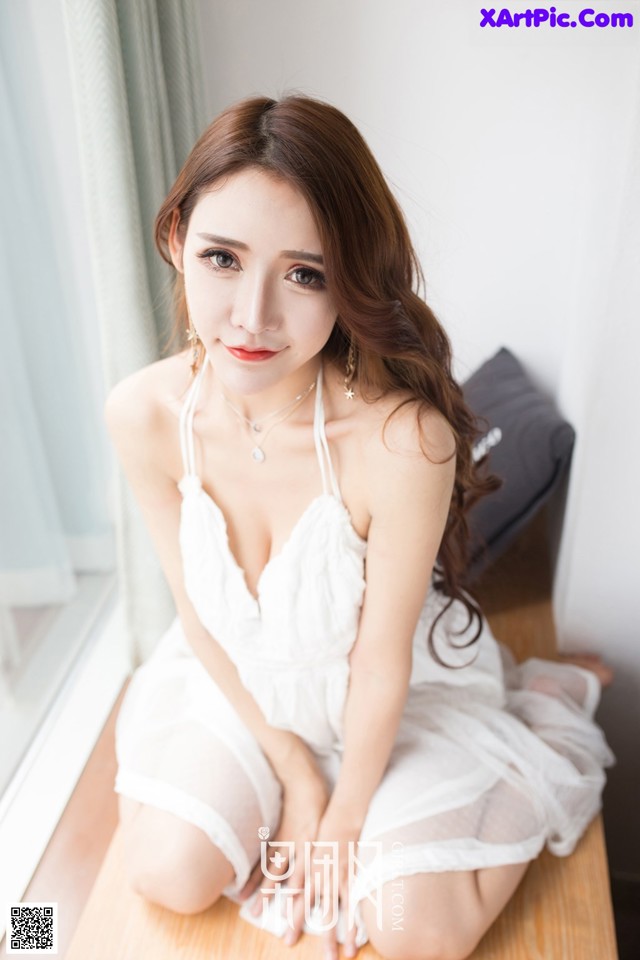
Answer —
257 541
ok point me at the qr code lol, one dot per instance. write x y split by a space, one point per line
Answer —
32 927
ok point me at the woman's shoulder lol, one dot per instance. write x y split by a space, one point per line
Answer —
392 450
149 395
409 461
392 425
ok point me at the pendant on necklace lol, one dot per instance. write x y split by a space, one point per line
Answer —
258 454
256 427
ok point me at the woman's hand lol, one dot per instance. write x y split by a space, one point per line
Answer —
305 798
328 888
331 888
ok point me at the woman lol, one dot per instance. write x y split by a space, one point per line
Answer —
301 695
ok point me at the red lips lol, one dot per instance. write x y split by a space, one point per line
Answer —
251 355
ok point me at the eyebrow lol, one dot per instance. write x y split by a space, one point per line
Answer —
239 245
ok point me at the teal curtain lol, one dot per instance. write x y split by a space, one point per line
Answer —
139 105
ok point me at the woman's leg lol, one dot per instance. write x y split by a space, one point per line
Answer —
171 862
202 836
439 916
589 661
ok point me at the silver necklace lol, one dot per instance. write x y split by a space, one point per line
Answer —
256 425
257 453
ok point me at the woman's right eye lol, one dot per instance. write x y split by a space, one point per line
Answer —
218 259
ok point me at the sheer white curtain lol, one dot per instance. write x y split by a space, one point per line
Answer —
137 87
54 518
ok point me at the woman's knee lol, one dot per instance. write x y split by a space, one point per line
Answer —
173 863
428 940
425 918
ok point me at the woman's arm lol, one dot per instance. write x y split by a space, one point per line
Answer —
138 428
408 500
409 497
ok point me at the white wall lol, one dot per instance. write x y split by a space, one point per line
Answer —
597 588
510 152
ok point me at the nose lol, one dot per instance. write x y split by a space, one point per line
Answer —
255 307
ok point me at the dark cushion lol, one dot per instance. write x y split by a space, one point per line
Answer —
527 443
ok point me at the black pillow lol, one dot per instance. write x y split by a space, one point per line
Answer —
527 444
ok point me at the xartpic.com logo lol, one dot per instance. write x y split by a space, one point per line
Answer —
550 17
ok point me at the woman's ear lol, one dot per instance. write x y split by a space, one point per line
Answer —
175 241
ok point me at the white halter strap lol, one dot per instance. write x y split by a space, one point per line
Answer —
186 422
322 447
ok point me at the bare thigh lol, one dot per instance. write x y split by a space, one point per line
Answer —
439 916
169 861
219 794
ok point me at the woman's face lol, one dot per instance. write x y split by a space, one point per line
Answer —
254 282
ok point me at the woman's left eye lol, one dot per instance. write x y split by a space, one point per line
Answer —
306 277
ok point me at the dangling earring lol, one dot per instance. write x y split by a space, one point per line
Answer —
194 339
350 371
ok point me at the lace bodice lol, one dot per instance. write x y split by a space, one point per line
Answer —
291 642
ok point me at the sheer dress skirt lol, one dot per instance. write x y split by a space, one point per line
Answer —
474 779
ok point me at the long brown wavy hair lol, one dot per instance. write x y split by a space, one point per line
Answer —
372 274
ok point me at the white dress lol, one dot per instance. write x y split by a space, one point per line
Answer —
491 761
